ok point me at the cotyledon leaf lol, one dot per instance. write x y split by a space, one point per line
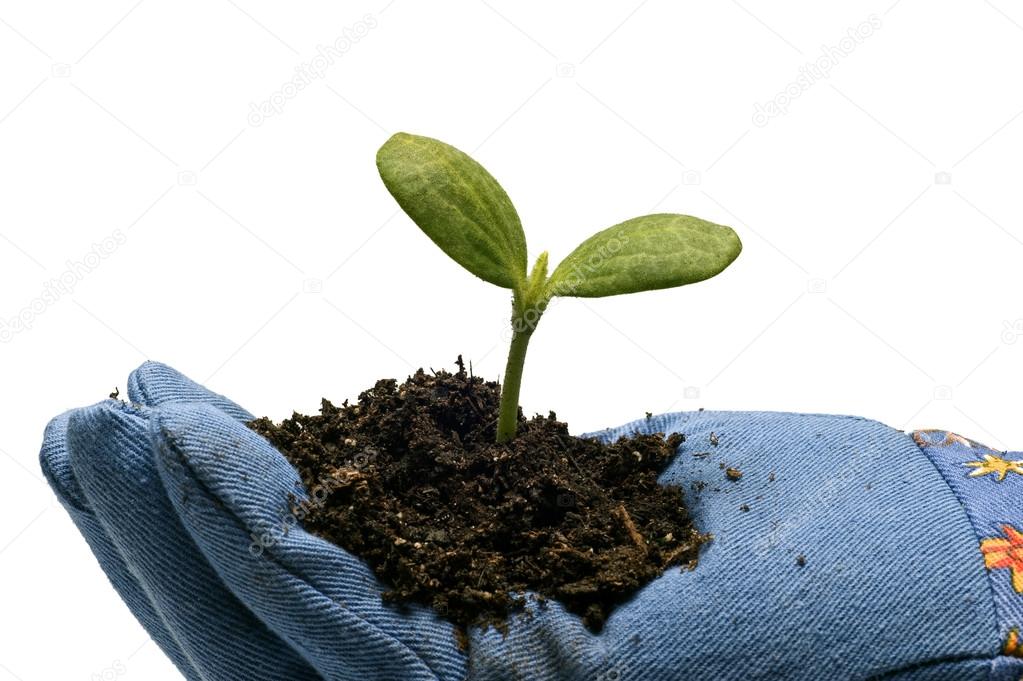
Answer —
643 254
458 204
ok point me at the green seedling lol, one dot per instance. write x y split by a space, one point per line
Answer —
463 209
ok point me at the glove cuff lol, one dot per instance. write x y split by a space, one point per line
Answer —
989 485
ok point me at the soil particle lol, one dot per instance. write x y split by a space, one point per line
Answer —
801 560
409 479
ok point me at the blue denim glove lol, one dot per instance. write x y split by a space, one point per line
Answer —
847 550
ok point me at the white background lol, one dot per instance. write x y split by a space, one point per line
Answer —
880 214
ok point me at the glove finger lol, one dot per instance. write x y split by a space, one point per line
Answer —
112 460
235 492
56 464
154 384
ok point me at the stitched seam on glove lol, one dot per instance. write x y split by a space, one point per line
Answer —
929 664
924 447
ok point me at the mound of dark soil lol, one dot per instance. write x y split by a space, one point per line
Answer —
409 479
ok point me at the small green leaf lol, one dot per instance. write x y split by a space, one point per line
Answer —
643 254
538 277
459 205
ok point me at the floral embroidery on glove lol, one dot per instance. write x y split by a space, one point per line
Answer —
1013 645
994 465
1006 552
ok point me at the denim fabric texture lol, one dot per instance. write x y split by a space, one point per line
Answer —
844 551
989 484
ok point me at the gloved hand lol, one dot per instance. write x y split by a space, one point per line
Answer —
846 550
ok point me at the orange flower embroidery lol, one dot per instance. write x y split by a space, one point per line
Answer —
1013 645
1006 552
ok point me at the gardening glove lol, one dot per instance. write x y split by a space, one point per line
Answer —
842 549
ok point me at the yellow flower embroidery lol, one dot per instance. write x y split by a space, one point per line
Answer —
1006 552
995 465
1013 645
